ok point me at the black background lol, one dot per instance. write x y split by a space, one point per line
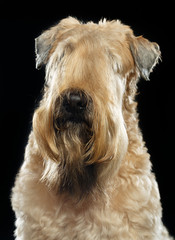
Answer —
21 84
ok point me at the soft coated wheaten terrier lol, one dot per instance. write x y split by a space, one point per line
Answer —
87 173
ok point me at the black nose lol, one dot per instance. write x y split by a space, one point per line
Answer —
75 102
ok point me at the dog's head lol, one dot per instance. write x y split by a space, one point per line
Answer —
91 75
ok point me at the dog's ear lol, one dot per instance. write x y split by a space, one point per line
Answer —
43 45
45 42
145 53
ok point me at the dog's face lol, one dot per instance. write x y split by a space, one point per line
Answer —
80 123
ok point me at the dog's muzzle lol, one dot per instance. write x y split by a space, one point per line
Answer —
75 106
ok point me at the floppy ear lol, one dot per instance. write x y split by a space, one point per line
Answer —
146 55
45 42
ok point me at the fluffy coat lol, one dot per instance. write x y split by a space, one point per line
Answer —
89 178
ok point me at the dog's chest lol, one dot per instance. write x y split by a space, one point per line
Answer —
92 223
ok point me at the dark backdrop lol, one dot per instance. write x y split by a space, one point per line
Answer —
21 85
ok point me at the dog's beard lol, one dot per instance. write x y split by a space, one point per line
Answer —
74 142
85 151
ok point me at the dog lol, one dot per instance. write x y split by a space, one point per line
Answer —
87 174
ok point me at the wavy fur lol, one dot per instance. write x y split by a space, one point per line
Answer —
89 177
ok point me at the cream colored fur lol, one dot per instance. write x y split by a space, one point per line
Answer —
104 60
